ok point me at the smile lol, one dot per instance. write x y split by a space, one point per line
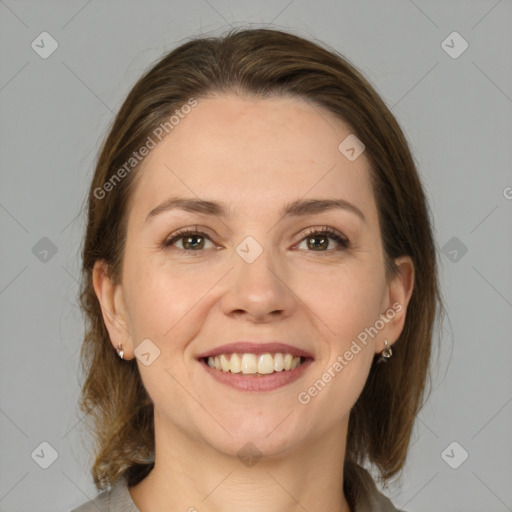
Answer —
250 364
256 372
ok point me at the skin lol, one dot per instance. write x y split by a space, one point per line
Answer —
256 156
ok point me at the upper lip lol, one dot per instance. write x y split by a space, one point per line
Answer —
243 347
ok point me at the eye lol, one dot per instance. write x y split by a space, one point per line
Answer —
321 239
191 240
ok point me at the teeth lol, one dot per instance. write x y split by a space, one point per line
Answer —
224 363
248 364
235 365
265 364
278 362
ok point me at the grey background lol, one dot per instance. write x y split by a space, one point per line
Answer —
456 113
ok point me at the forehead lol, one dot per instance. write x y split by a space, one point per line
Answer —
254 153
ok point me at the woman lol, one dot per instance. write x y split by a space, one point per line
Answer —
260 284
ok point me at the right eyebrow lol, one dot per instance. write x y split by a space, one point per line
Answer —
190 205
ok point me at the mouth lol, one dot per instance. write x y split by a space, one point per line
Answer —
256 367
254 364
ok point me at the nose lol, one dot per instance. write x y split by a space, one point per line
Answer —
261 290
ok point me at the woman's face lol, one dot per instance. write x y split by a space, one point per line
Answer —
254 274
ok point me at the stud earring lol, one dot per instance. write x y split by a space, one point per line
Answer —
386 353
120 351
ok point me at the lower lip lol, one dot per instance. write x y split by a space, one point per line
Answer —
257 382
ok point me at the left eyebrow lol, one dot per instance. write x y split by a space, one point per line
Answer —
312 206
215 208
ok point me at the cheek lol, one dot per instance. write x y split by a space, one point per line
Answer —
346 300
334 389
159 298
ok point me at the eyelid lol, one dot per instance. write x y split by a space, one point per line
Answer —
342 240
323 229
182 232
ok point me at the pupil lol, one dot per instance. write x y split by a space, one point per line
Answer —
322 241
188 241
321 244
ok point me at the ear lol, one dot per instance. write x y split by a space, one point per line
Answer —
113 308
395 306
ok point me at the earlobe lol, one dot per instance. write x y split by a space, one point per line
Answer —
110 297
399 293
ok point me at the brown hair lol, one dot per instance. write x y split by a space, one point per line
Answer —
263 63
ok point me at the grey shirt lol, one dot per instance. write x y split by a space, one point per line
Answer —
118 499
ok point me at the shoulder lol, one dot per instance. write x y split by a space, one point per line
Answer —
369 497
115 499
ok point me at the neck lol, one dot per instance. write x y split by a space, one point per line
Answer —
193 476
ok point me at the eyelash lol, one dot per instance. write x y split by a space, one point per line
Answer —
343 242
